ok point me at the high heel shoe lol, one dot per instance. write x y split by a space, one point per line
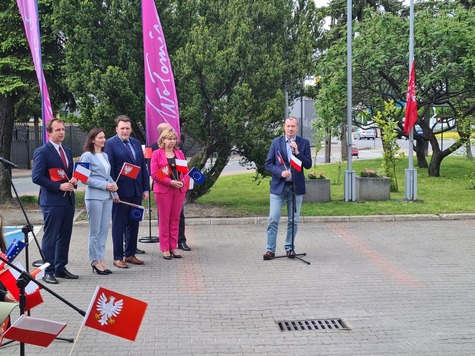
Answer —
175 255
97 270
167 257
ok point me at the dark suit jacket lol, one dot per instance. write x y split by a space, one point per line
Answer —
45 158
276 168
118 154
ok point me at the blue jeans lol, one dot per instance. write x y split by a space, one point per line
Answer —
276 204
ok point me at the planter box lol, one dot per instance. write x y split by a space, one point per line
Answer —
317 191
373 188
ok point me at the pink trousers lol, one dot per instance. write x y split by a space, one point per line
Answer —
169 208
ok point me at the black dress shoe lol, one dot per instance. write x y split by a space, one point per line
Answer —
66 274
139 252
183 246
49 278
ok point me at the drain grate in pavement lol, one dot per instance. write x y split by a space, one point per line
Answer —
317 324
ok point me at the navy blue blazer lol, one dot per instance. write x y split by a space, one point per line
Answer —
118 154
45 158
276 168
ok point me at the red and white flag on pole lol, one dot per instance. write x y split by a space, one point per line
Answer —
32 291
129 170
81 171
115 313
35 331
57 174
296 163
411 101
181 165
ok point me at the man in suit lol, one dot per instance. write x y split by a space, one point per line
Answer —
286 183
182 245
122 148
53 171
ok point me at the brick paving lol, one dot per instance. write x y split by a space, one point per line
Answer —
403 284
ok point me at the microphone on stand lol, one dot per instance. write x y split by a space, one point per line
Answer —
8 163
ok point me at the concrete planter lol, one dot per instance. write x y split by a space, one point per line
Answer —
373 188
317 191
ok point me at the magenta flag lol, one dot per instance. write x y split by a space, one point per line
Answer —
29 15
161 102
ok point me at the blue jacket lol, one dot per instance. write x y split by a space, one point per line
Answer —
276 168
118 154
45 158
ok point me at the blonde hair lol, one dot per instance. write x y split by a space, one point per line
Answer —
167 134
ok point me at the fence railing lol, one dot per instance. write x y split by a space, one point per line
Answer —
27 138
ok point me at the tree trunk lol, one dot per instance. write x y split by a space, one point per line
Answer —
344 142
328 146
421 148
434 166
6 136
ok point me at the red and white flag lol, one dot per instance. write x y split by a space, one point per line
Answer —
35 331
32 291
296 163
129 170
81 173
57 174
411 101
181 165
115 313
164 172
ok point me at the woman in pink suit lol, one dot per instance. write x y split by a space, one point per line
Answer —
170 186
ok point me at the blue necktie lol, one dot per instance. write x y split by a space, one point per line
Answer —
127 144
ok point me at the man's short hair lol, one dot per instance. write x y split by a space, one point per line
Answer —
123 118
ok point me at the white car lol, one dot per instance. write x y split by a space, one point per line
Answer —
364 133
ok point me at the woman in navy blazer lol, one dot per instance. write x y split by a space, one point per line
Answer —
169 189
98 198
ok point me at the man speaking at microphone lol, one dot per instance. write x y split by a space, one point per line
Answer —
287 157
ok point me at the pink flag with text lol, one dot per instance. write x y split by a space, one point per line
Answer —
29 14
161 102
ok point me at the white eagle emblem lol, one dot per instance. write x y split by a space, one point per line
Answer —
165 170
127 169
108 308
62 173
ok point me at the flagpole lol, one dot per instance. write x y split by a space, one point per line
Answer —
349 181
410 172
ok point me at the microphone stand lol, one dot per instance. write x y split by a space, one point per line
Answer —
292 254
27 228
22 282
149 238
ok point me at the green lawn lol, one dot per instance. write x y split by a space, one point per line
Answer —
449 193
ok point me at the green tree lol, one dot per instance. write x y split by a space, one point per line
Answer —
444 72
20 96
232 61
233 71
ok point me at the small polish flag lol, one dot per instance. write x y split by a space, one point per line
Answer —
9 277
81 172
181 165
129 170
164 172
296 163
57 174
35 331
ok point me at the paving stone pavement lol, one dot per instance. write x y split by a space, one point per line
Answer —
403 285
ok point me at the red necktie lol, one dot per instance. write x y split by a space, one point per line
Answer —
63 157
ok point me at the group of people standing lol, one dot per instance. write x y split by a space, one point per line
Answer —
109 194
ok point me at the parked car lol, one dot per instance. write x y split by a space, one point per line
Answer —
364 133
402 134
354 151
